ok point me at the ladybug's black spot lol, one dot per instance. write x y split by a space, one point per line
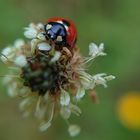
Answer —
66 22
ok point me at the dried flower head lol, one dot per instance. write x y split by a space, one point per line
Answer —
50 76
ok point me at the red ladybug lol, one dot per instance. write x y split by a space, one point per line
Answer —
61 31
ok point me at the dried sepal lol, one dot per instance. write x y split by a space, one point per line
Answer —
74 130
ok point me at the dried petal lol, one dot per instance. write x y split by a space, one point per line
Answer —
12 91
56 56
30 32
110 77
74 130
65 112
40 26
44 46
75 109
64 98
41 36
93 49
44 126
101 79
80 93
19 43
20 60
25 104
7 53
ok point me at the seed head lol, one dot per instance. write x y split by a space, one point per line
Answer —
52 79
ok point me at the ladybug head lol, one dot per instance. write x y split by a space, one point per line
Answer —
60 31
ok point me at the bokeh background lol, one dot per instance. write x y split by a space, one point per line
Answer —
114 22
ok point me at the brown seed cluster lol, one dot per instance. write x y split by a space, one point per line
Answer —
43 76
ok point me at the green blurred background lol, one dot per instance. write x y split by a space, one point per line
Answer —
114 22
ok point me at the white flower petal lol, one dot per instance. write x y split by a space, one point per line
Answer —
65 112
87 83
75 109
110 77
40 112
100 75
12 91
102 54
99 79
4 59
101 50
7 54
25 104
7 79
40 108
30 32
34 43
7 51
41 36
20 60
56 56
102 78
44 46
44 126
74 130
101 47
80 93
19 43
93 49
40 26
64 98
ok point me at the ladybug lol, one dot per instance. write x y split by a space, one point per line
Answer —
61 31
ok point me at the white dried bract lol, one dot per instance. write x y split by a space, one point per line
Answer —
41 36
33 30
36 33
44 126
19 43
66 70
20 60
95 51
80 93
102 78
56 56
74 130
44 46
75 109
6 54
64 98
65 112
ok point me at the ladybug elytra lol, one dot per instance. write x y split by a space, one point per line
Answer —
61 31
